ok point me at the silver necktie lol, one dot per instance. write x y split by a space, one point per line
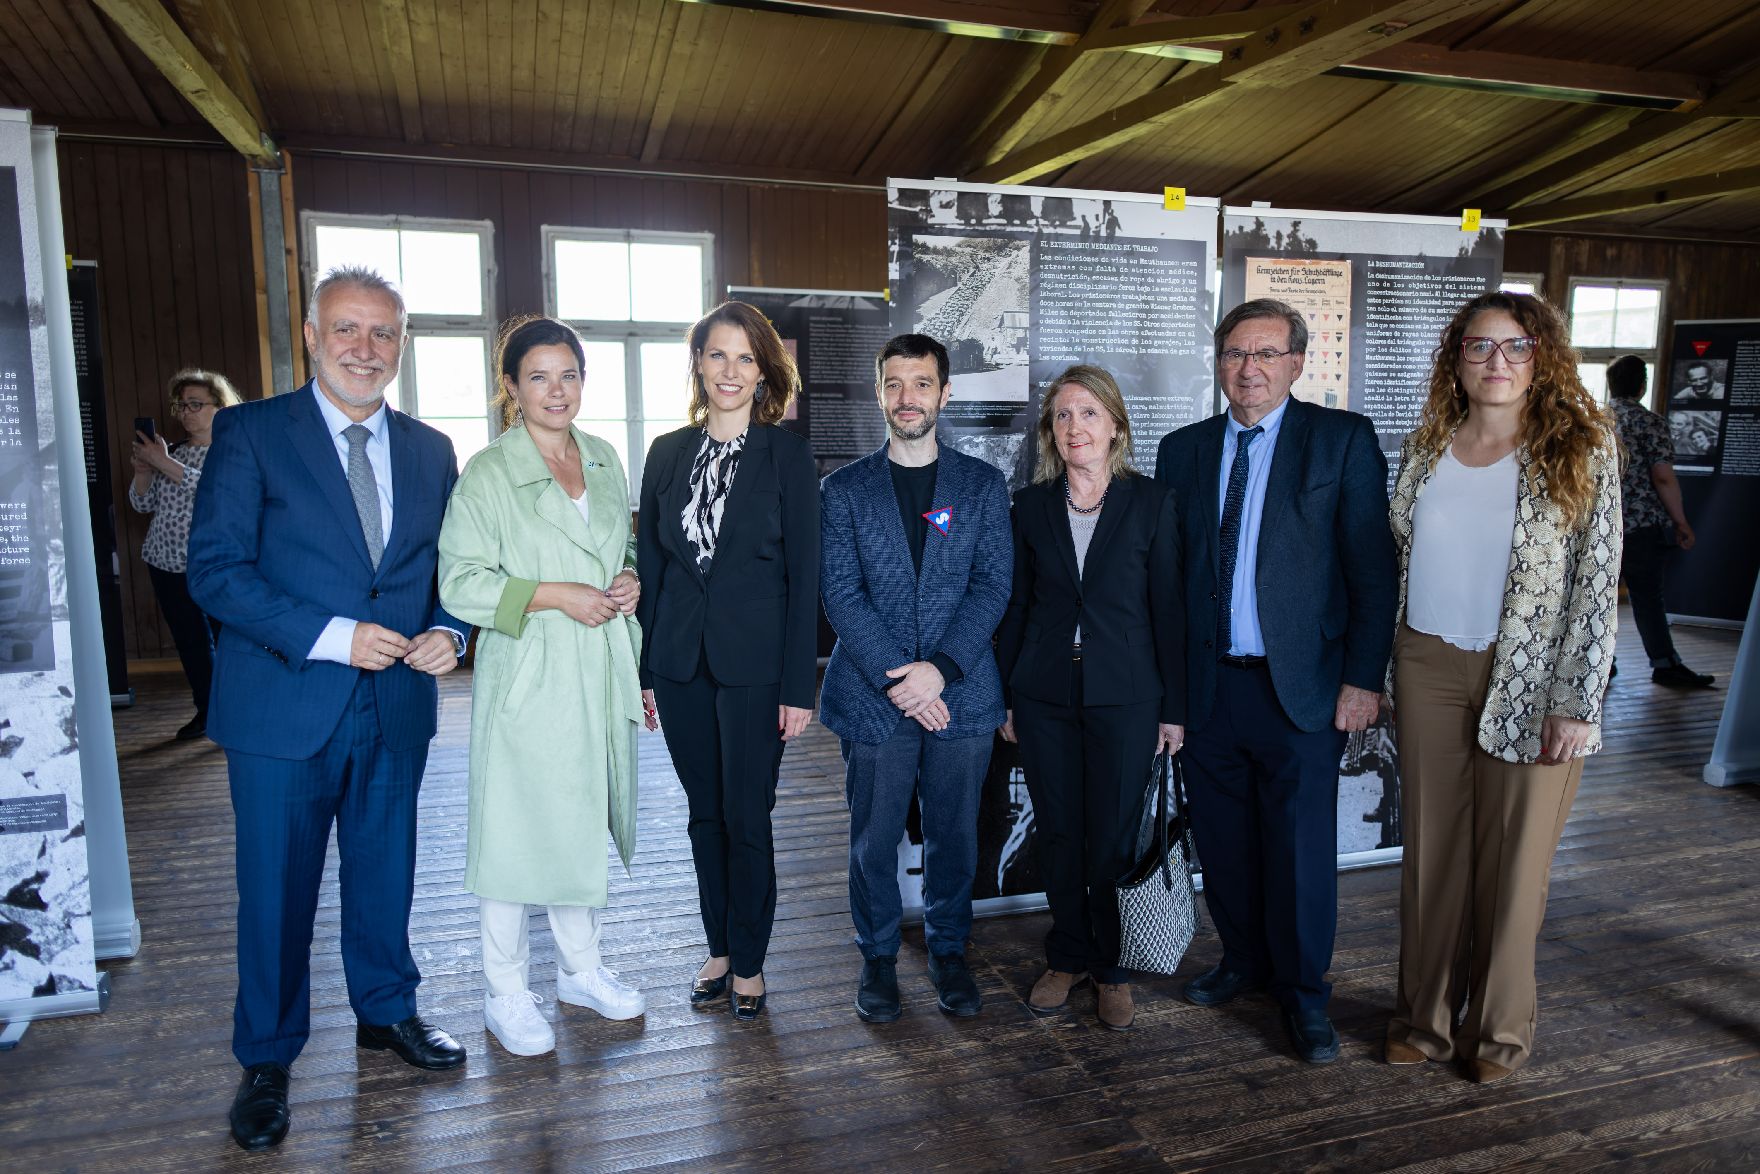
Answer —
365 488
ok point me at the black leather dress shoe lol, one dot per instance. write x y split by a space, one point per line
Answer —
1217 986
194 728
1679 676
1313 1036
416 1042
260 1116
956 992
877 997
706 992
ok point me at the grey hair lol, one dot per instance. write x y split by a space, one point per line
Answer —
1265 308
356 277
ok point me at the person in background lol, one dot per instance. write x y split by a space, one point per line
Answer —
1655 520
536 551
1506 515
914 566
727 544
164 485
1092 655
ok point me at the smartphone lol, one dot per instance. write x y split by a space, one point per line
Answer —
144 425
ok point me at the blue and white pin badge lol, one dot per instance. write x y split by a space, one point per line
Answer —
939 517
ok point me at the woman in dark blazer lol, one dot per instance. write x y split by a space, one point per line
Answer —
1092 652
727 548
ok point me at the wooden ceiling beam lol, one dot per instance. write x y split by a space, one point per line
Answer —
1646 130
999 135
1298 46
1159 28
1038 20
1416 59
392 24
1674 191
155 34
213 28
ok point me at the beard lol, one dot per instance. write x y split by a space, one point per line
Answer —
333 380
925 422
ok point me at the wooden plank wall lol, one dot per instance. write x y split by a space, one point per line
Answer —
813 238
170 231
1705 280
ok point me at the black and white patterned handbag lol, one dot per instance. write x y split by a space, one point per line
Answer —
1157 904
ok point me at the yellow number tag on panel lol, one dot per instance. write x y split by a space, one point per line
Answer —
1173 199
1470 220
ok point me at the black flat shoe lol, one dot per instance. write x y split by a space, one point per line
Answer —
748 1007
260 1116
706 992
415 1042
195 727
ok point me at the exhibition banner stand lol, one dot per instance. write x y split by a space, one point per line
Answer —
88 355
1377 292
1711 396
60 804
1019 283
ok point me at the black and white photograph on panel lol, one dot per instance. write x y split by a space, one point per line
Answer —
1699 381
1695 435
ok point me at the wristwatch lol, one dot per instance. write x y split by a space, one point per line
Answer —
458 643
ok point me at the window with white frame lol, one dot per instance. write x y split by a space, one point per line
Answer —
445 270
1521 283
631 296
1610 317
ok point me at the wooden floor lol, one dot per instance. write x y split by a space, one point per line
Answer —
1648 1054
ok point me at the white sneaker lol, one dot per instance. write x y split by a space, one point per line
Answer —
517 1023
601 990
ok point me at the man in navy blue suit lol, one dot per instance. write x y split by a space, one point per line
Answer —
1290 585
915 562
315 544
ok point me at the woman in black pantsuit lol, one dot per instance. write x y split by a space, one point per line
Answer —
1092 655
728 555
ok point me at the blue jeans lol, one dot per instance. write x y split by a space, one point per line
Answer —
948 775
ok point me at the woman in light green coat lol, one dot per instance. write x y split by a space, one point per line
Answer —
536 551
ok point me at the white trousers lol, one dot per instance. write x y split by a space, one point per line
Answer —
507 942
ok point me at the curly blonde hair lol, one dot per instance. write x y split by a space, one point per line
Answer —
1562 425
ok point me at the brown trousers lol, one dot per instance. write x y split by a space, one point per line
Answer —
1480 834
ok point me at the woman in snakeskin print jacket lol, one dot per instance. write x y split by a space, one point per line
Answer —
1506 514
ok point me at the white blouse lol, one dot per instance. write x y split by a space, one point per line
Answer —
1463 527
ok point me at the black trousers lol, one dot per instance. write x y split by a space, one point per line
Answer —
191 630
1264 797
726 745
1087 770
1646 553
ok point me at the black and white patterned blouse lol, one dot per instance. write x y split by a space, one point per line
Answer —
711 476
172 506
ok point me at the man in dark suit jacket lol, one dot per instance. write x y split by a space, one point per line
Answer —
314 545
914 569
1290 585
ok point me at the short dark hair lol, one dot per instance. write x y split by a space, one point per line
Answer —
1265 308
1699 364
517 338
779 379
910 346
1626 377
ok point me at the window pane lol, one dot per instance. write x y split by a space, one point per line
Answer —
468 435
1640 313
376 248
668 282
615 432
603 382
665 391
451 379
592 280
442 272
1518 285
653 430
1592 315
1594 377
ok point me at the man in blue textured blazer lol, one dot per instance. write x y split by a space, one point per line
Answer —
315 545
915 562
1290 585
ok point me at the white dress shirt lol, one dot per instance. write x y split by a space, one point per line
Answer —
1462 529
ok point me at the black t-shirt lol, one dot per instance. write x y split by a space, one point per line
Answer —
914 486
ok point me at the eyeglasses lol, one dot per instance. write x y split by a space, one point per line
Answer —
181 406
1515 350
1234 357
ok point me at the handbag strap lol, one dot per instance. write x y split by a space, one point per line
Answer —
1183 807
1163 773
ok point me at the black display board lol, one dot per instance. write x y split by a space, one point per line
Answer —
88 356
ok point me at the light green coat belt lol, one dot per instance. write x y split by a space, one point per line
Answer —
554 704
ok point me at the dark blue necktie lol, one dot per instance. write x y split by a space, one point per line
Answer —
1231 540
